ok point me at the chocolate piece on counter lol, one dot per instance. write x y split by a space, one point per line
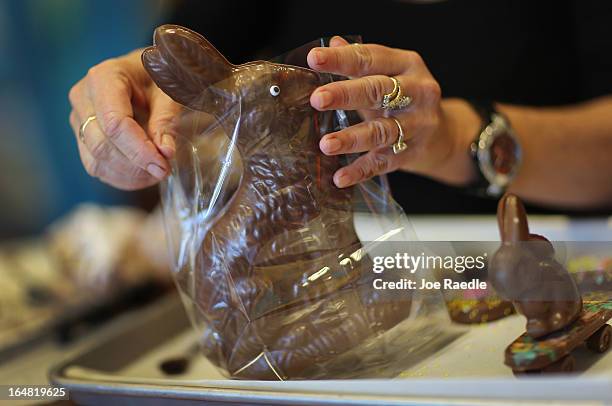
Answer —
268 279
474 306
594 281
524 271
477 311
598 296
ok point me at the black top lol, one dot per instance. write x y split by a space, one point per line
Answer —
529 52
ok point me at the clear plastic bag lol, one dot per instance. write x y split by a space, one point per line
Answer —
273 261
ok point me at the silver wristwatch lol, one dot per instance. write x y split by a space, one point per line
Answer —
496 152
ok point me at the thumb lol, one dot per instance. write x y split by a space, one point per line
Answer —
338 41
162 118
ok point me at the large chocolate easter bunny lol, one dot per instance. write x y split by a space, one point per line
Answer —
525 271
279 278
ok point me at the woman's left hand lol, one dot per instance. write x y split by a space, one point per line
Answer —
432 145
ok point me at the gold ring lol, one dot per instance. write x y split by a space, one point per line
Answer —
399 145
396 100
391 96
84 126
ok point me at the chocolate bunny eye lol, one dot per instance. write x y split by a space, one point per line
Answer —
275 90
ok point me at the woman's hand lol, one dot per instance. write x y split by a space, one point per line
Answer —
128 144
433 132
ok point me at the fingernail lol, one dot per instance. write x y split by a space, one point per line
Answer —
168 145
342 180
330 145
337 41
156 171
319 57
322 99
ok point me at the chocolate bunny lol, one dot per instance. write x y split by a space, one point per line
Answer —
279 280
525 271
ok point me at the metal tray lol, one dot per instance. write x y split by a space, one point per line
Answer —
124 369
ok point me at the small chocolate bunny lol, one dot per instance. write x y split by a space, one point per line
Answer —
525 271
278 281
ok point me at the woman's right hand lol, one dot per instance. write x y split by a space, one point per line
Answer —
129 143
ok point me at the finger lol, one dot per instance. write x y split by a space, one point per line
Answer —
108 163
366 136
132 178
373 163
360 60
110 93
78 99
338 41
120 174
161 127
364 93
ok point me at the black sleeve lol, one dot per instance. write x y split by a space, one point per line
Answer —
239 29
593 36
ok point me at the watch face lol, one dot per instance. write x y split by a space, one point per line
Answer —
499 153
503 152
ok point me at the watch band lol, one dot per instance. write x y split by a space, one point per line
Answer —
485 110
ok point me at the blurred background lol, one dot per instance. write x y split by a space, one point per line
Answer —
72 250
45 47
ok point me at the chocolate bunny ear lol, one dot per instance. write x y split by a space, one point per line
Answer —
512 219
184 65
